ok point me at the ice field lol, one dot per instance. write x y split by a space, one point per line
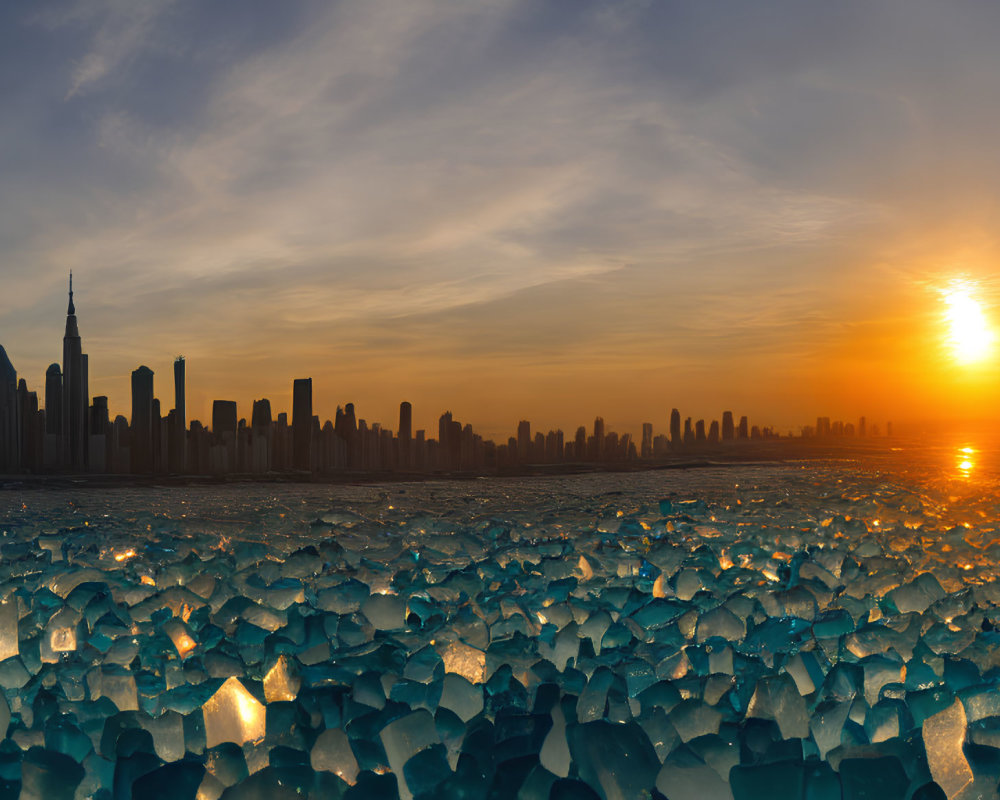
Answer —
766 631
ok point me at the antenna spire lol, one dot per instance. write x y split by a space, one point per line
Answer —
71 309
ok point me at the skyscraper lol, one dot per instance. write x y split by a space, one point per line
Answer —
675 428
728 429
74 385
405 434
177 446
141 427
524 441
10 452
302 420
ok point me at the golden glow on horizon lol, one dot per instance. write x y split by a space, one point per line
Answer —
970 336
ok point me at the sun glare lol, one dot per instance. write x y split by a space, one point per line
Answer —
969 334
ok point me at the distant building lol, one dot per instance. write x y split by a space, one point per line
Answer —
141 426
302 421
177 432
728 429
675 428
10 426
524 441
75 400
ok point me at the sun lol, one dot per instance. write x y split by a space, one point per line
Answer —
970 336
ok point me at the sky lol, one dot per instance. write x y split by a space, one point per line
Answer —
508 209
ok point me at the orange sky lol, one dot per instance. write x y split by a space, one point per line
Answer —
508 210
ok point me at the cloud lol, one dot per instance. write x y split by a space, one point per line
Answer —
553 180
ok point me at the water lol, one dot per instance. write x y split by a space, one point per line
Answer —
687 632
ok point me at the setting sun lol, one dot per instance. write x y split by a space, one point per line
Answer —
969 336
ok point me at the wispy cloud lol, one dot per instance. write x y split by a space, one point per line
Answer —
488 180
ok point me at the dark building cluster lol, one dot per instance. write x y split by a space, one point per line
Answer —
72 433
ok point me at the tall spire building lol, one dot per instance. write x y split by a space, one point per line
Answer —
75 391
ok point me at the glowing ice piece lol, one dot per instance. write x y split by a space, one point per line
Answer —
943 734
332 753
180 635
282 681
8 628
232 714
60 635
466 661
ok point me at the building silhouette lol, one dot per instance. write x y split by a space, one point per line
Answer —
177 421
141 425
10 432
675 429
71 433
75 392
728 429
302 420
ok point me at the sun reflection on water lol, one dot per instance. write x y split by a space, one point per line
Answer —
965 464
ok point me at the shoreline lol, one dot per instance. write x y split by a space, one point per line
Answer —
774 452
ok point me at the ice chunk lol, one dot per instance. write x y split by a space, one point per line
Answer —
332 752
594 698
460 696
685 776
227 763
8 627
944 735
232 714
805 671
886 720
115 683
693 718
776 697
48 775
878 671
918 595
403 738
554 755
720 622
689 582
387 612
177 781
827 724
62 634
282 680
181 636
616 759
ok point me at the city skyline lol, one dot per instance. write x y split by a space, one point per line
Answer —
67 432
568 209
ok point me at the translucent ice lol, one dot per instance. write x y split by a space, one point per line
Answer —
332 752
466 661
944 734
232 714
282 680
403 738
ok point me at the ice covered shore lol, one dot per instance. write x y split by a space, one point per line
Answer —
743 633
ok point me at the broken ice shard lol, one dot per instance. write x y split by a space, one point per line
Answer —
944 735
232 714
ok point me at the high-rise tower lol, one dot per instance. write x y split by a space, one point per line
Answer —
177 446
10 452
141 427
75 388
